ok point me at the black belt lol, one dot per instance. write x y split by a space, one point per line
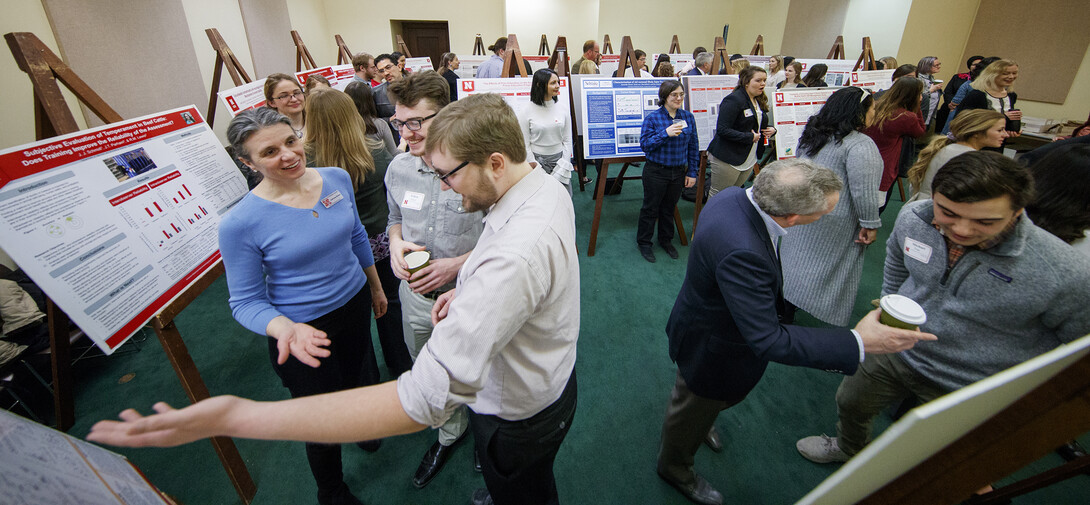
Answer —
667 166
434 295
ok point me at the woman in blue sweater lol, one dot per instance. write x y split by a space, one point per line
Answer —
298 262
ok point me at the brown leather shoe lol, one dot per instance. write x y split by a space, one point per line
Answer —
712 440
698 492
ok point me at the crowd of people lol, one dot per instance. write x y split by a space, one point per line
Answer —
350 189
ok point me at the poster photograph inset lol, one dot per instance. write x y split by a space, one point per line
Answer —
839 70
116 221
792 109
613 110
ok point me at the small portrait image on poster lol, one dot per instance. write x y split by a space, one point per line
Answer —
188 118
130 164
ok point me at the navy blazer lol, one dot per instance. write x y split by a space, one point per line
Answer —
725 326
734 130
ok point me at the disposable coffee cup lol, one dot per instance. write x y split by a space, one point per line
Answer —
901 312
417 260
684 124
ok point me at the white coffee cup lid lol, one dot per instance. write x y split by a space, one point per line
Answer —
904 309
417 258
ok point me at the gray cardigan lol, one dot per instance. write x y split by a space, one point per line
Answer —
996 308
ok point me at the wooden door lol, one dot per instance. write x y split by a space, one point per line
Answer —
426 38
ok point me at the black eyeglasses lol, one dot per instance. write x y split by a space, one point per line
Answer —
413 124
448 174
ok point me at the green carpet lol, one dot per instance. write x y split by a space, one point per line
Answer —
609 457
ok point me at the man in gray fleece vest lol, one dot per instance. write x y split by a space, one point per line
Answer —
997 290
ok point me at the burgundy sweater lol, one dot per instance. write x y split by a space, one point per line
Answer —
888 140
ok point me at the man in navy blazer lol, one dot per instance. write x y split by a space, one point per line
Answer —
725 326
702 65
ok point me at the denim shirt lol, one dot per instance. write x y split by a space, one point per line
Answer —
428 215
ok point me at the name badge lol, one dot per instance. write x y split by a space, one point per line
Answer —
748 113
413 200
917 250
332 198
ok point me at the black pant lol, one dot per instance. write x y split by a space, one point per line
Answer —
517 456
351 363
661 191
390 336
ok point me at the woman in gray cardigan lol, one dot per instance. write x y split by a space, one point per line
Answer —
823 261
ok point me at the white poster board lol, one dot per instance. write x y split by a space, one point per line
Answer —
419 64
931 427
613 109
679 61
537 62
339 76
247 96
703 93
115 222
871 80
42 465
839 70
758 60
514 90
610 64
792 109
468 64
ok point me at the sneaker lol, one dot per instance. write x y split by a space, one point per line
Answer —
821 449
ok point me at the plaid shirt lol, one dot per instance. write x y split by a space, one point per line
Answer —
954 252
682 150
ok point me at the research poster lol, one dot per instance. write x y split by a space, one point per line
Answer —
115 222
247 96
537 62
758 60
419 64
839 70
679 61
871 80
338 75
792 109
703 93
610 64
514 90
468 64
613 110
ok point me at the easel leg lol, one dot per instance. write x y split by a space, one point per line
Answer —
680 227
196 391
63 402
599 197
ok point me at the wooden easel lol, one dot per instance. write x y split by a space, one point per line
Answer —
1055 412
402 47
607 46
719 55
344 56
303 59
758 46
512 56
628 58
478 46
543 47
52 118
675 47
224 58
837 52
866 61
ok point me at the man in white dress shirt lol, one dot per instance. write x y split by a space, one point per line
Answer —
504 343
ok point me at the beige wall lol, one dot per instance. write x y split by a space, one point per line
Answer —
363 31
529 20
881 20
308 17
927 34
653 24
750 18
227 19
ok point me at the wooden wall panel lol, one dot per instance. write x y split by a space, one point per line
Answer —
812 27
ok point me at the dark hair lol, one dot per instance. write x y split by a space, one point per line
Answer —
980 175
500 45
904 70
745 76
640 53
663 57
815 74
981 66
364 99
969 62
444 61
313 80
735 56
539 84
698 50
666 88
787 60
664 69
360 60
385 56
395 56
902 98
844 112
588 45
1062 179
419 86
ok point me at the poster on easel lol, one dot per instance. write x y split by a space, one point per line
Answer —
792 109
537 62
610 63
613 110
758 60
679 61
871 80
245 97
419 64
42 465
114 222
703 94
514 90
339 76
468 64
839 70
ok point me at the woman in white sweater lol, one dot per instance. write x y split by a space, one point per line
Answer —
546 128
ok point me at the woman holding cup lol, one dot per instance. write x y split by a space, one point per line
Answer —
669 141
741 132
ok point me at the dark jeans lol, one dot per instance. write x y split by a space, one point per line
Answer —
351 364
661 190
390 336
517 456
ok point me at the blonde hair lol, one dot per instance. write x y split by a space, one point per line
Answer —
586 67
964 126
779 63
987 77
738 65
335 134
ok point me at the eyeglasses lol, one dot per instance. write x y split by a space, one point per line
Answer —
448 174
413 124
677 94
297 94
